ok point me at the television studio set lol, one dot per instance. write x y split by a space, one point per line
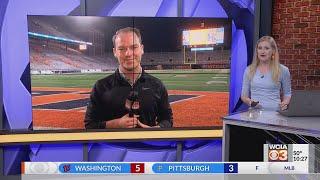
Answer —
160 89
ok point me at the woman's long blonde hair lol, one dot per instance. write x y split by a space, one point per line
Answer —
274 63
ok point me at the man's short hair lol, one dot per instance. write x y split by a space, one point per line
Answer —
127 30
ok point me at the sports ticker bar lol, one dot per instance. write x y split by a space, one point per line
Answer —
278 159
164 168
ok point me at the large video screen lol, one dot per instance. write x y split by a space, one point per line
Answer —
203 36
70 56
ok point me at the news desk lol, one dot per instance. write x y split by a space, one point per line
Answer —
246 132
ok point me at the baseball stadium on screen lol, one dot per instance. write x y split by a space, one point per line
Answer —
68 54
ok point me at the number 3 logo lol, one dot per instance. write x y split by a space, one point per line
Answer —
283 155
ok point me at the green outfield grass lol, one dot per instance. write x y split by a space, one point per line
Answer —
194 80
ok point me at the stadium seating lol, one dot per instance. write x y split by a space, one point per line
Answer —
53 55
58 57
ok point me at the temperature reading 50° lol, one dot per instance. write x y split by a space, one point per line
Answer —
297 153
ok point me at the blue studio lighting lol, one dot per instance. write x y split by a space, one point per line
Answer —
58 38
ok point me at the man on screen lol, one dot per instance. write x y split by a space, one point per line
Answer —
129 97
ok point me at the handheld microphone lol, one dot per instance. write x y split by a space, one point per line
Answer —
132 104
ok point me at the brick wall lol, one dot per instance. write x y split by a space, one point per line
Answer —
296 28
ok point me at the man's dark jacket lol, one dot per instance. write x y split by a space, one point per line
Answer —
108 97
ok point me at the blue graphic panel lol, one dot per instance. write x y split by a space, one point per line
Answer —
101 7
241 13
168 8
106 152
238 65
56 152
209 8
248 4
210 151
146 155
136 8
140 151
13 156
189 7
14 38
